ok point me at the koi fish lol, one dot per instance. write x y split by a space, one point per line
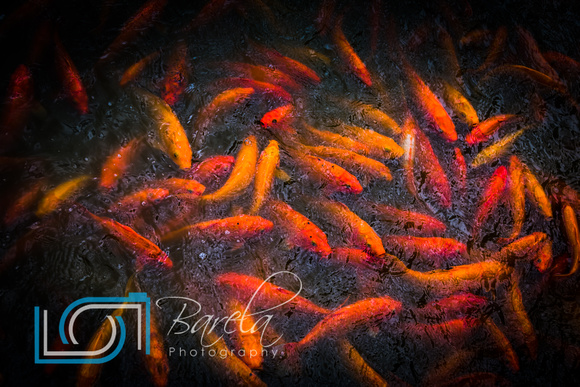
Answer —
504 344
359 369
182 188
380 146
358 258
459 170
544 259
430 106
117 164
367 167
496 150
244 338
172 137
342 321
333 177
298 229
137 68
512 71
264 294
523 247
374 117
407 220
529 52
518 319
136 26
261 74
176 77
573 235
70 78
496 50
17 106
348 56
267 90
234 228
141 198
267 164
408 161
491 196
487 128
212 170
335 140
535 192
242 173
223 102
277 115
481 37
432 250
295 69
455 306
24 203
436 179
358 232
516 197
460 105
145 250
64 191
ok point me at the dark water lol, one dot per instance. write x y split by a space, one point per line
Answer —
64 257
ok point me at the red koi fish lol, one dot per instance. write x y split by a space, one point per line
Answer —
137 68
145 250
261 74
432 251
516 197
485 129
573 235
277 116
295 69
405 219
267 90
17 106
459 167
452 307
211 171
357 258
177 75
235 228
264 294
491 197
298 229
70 78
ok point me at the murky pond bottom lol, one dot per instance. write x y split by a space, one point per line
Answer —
306 193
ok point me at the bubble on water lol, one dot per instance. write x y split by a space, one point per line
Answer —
202 255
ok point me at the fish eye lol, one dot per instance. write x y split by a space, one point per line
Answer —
175 155
313 243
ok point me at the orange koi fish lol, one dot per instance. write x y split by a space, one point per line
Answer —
234 229
459 170
346 319
544 259
491 197
24 202
17 106
430 106
427 161
516 197
367 167
380 146
70 78
517 318
176 78
139 199
348 56
64 191
333 177
145 250
373 117
118 163
277 116
136 26
358 258
137 68
295 69
212 170
267 164
359 369
171 135
433 250
265 295
242 173
573 235
405 219
409 145
230 368
460 105
358 232
224 102
267 90
529 52
496 150
182 188
535 192
524 247
335 140
452 332
496 51
455 306
504 345
517 71
245 337
298 229
485 129
261 74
